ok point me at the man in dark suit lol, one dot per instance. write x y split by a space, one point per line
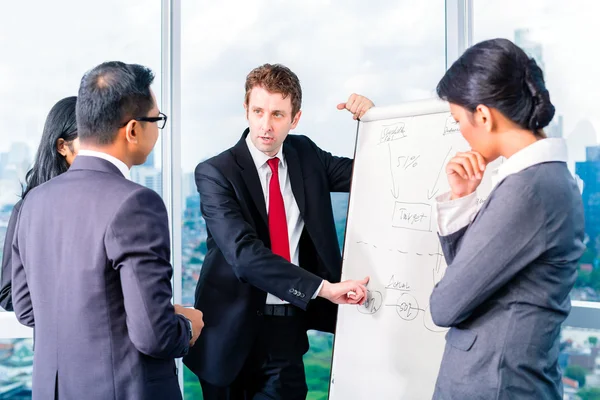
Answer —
272 269
91 271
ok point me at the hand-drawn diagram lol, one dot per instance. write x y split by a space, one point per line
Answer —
431 193
373 302
407 307
392 132
415 216
405 161
451 126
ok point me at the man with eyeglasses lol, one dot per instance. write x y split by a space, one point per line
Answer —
91 271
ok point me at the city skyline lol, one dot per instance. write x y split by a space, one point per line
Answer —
391 51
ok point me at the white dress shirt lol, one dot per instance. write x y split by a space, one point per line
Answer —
113 160
453 215
295 223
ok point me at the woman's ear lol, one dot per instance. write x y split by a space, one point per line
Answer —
485 118
61 147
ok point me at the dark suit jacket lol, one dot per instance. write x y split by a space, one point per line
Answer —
6 275
91 274
239 268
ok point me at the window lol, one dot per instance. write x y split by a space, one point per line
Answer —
44 62
391 51
557 35
16 366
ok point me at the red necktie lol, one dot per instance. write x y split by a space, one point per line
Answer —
278 232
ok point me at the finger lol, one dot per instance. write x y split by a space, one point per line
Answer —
364 295
360 293
352 101
354 107
365 280
480 160
351 294
364 110
474 163
341 106
363 290
354 295
465 161
458 169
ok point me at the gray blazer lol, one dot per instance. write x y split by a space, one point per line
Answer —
6 274
506 290
91 274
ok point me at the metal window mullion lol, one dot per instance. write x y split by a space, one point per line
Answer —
171 141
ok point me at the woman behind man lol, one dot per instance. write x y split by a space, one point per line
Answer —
511 265
58 147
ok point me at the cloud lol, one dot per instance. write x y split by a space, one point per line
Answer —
46 51
391 51
567 33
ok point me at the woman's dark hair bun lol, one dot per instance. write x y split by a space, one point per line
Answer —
543 110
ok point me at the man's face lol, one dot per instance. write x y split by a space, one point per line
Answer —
270 119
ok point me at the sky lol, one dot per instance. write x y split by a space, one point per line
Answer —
46 47
567 36
391 51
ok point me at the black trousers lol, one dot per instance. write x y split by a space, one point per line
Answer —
274 369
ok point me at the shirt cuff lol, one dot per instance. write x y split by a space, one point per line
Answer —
318 290
453 215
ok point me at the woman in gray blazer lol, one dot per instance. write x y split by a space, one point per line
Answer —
57 150
513 261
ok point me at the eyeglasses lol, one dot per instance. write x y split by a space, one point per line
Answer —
161 120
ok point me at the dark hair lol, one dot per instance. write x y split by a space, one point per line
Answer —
109 96
498 74
60 124
276 78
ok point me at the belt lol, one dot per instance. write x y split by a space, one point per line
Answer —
281 310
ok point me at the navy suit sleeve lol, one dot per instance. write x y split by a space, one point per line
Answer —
251 260
21 297
6 274
138 246
338 169
503 239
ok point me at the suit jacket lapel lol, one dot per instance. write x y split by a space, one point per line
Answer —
295 173
250 175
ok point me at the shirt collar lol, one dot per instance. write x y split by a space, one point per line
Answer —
260 159
113 160
543 150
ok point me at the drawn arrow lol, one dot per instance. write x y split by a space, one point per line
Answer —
395 192
433 192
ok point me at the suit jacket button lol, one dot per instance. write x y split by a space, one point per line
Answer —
302 295
259 313
291 290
